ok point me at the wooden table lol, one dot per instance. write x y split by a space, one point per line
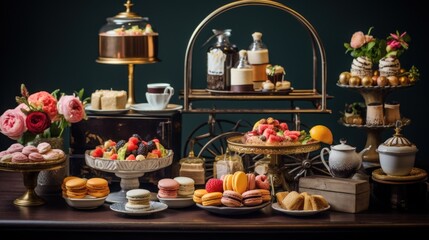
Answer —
56 217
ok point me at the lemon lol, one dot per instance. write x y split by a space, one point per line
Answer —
321 133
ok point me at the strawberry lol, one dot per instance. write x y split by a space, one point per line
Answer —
98 152
157 152
132 146
268 132
131 157
283 126
273 139
134 140
293 137
114 156
262 127
289 133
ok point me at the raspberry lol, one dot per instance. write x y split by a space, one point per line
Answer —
214 185
131 146
133 140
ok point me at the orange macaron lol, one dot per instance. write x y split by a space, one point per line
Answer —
76 188
239 182
97 187
212 199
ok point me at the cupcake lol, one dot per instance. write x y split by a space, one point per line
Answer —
389 66
275 73
361 67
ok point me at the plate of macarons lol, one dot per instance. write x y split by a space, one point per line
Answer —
177 192
138 204
81 193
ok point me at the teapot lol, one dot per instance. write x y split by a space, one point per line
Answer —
344 161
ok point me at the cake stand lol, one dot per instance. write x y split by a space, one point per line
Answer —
235 144
128 171
30 171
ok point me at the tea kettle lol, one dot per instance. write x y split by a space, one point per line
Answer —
344 161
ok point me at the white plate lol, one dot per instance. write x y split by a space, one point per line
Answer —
300 213
88 108
233 210
88 202
179 202
154 207
145 108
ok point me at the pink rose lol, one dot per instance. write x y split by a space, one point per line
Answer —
358 40
72 108
369 38
45 101
21 107
12 124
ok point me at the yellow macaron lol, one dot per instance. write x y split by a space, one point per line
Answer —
212 199
239 182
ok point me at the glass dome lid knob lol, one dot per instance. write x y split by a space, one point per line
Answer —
128 13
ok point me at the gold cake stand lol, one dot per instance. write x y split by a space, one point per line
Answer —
235 144
30 171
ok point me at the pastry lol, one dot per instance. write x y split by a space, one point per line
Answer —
198 194
43 147
389 66
308 199
268 86
29 149
282 85
63 185
108 99
214 185
361 67
76 188
60 152
252 198
168 188
319 202
275 73
97 187
227 182
265 194
16 147
51 156
212 199
36 157
2 153
262 182
280 196
239 182
251 184
231 199
138 200
186 186
293 201
6 158
19 157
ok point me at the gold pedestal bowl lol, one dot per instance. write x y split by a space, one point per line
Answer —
30 171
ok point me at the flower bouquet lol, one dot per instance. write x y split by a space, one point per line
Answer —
41 115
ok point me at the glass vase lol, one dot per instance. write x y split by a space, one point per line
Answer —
50 181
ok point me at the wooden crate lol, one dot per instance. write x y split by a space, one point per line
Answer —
344 195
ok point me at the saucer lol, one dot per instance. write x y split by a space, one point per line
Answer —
145 108
154 207
416 174
89 109
298 213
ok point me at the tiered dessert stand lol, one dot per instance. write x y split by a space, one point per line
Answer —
373 94
128 171
30 171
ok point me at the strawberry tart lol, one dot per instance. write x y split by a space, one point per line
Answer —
272 132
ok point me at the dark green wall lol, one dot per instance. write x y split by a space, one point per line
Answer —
53 44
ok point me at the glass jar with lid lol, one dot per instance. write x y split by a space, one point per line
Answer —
193 167
128 38
227 163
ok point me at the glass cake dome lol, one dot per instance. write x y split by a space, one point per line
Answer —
128 38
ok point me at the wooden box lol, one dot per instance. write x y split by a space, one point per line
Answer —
344 195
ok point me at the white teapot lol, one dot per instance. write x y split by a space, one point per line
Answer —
344 161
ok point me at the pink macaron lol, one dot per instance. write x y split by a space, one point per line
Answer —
60 152
168 188
252 198
51 156
43 147
29 149
231 199
36 157
262 182
3 153
251 181
19 157
16 147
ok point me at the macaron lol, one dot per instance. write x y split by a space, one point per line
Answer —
29 149
265 194
198 194
231 199
36 157
227 182
262 182
2 153
250 181
6 158
138 200
168 188
186 186
239 182
16 147
214 185
212 199
63 185
51 155
19 157
252 198
43 147
60 153
76 188
97 187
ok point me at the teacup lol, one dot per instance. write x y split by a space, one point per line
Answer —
159 101
158 87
